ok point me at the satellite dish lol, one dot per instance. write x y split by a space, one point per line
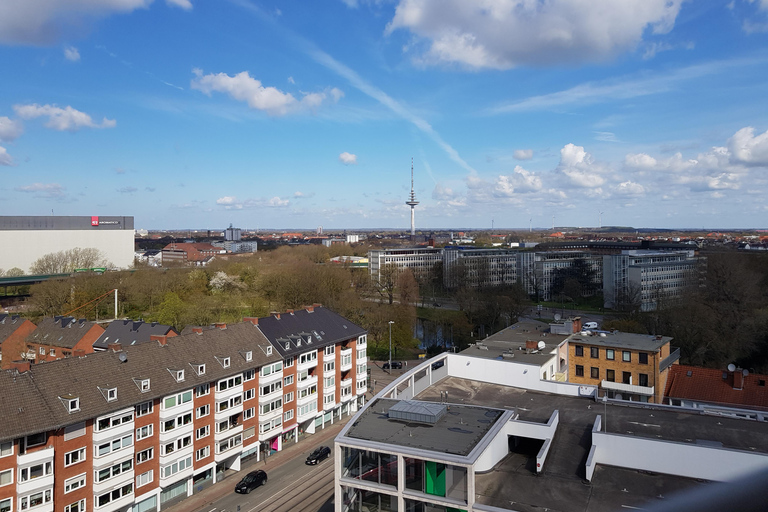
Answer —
745 372
557 317
122 356
541 345
731 367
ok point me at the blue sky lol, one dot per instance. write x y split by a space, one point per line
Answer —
296 114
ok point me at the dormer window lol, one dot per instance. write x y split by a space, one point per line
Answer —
110 394
269 351
199 368
71 402
287 345
143 384
177 374
223 361
248 355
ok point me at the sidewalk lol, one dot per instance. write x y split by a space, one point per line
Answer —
217 491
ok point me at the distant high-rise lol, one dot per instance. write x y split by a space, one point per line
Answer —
232 234
412 202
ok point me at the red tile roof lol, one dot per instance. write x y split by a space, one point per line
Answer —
708 385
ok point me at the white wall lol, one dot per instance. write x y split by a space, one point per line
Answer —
21 248
498 448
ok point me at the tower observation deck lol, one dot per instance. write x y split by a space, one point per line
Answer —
412 202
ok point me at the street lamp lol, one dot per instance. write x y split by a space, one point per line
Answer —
390 345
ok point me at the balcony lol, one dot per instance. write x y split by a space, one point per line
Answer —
306 365
307 382
627 388
327 358
305 400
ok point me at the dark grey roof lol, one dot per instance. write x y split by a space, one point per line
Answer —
303 328
130 332
510 344
8 325
622 340
32 401
60 331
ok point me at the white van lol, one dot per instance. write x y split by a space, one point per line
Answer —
590 326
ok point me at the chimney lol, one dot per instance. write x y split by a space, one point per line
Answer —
289 311
530 344
577 324
115 347
317 305
160 338
220 325
310 309
78 352
197 330
276 315
253 319
738 379
20 366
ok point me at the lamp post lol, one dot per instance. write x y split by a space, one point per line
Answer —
390 345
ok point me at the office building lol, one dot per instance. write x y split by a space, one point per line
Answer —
421 260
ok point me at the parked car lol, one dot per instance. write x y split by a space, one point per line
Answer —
590 325
251 481
396 365
320 453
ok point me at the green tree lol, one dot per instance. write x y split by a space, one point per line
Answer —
172 310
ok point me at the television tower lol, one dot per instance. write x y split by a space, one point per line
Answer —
412 202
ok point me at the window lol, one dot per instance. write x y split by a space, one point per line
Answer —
6 449
311 390
232 442
203 410
626 356
249 432
249 413
42 351
329 367
361 353
177 374
329 398
199 369
271 406
202 453
270 388
143 384
203 432
144 478
579 370
329 350
287 381
626 377
224 361
308 357
6 477
144 432
249 375
610 354
144 408
145 455
36 471
362 339
5 505
642 358
249 394
643 379
102 475
289 362
52 352
594 372
271 368
36 439
33 500
113 421
288 415
203 389
179 465
329 382
113 446
288 397
610 375
78 506
179 399
115 495
268 426
178 444
228 404
74 457
249 355
579 350
594 352
179 421
111 394
231 382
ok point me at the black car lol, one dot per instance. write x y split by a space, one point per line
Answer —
396 365
320 453
251 481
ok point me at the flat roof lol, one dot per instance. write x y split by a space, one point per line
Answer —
457 432
512 342
618 339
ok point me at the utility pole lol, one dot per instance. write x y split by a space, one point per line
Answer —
390 345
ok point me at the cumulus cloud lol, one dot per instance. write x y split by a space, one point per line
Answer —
232 203
184 4
44 190
520 182
303 195
62 119
579 168
448 196
243 87
501 34
523 154
10 129
629 188
348 158
5 158
71 53
276 201
748 149
45 21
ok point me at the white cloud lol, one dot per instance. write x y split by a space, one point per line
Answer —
45 21
520 181
45 190
71 53
523 154
606 137
291 80
243 87
579 167
62 119
629 188
226 200
232 203
184 4
748 149
502 34
5 158
348 158
10 129
277 202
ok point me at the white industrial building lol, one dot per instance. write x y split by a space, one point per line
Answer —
23 240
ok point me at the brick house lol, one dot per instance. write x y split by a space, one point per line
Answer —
13 333
189 253
61 336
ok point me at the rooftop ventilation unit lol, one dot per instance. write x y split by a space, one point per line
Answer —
417 412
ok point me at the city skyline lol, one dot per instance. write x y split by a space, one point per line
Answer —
187 113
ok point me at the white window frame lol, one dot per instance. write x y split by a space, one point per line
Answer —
249 413
203 452
145 408
10 470
145 432
78 506
78 482
203 431
150 450
82 454
203 411
203 389
145 478
6 449
288 397
249 394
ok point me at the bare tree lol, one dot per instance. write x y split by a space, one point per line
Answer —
64 262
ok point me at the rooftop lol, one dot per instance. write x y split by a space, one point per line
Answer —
512 343
130 332
61 331
716 387
621 340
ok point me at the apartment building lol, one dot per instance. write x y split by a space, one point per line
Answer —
624 366
190 253
483 434
646 279
13 333
61 336
138 428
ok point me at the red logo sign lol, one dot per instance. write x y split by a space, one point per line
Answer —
94 221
